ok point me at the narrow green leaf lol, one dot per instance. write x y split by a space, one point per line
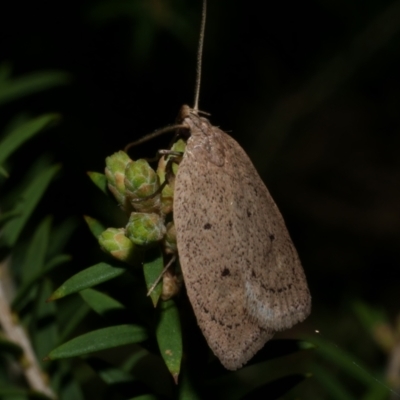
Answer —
35 256
23 132
4 172
100 302
335 389
44 330
87 278
12 89
280 348
145 397
12 392
152 268
21 295
345 361
100 339
7 216
369 316
32 265
64 383
27 203
380 392
99 180
169 337
95 226
144 366
74 319
110 374
61 234
187 391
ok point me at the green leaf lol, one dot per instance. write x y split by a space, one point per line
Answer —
27 203
100 302
73 312
186 389
99 180
95 226
44 330
21 295
87 278
331 384
380 392
4 172
100 339
344 361
144 366
23 132
32 265
64 383
14 392
369 316
61 234
169 337
280 348
12 89
109 373
35 256
152 268
7 216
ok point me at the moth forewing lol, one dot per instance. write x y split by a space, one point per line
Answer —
241 270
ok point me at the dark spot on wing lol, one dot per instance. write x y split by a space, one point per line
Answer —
225 272
207 226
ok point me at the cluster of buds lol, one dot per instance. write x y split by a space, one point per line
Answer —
146 196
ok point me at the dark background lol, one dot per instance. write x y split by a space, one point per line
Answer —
309 89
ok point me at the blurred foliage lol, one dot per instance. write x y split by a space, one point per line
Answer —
311 91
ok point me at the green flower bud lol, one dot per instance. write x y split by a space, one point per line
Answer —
145 228
167 194
141 181
113 241
115 174
180 147
170 239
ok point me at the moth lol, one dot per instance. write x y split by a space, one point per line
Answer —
241 270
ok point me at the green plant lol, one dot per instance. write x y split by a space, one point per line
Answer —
29 253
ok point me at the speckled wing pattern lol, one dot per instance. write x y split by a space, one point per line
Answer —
242 273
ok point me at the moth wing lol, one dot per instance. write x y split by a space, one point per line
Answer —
275 285
208 254
242 273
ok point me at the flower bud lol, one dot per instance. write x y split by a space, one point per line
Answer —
171 285
145 228
141 181
113 241
167 193
115 173
169 240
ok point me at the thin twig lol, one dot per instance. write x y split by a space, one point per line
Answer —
14 332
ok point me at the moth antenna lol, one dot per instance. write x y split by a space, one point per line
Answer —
200 56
